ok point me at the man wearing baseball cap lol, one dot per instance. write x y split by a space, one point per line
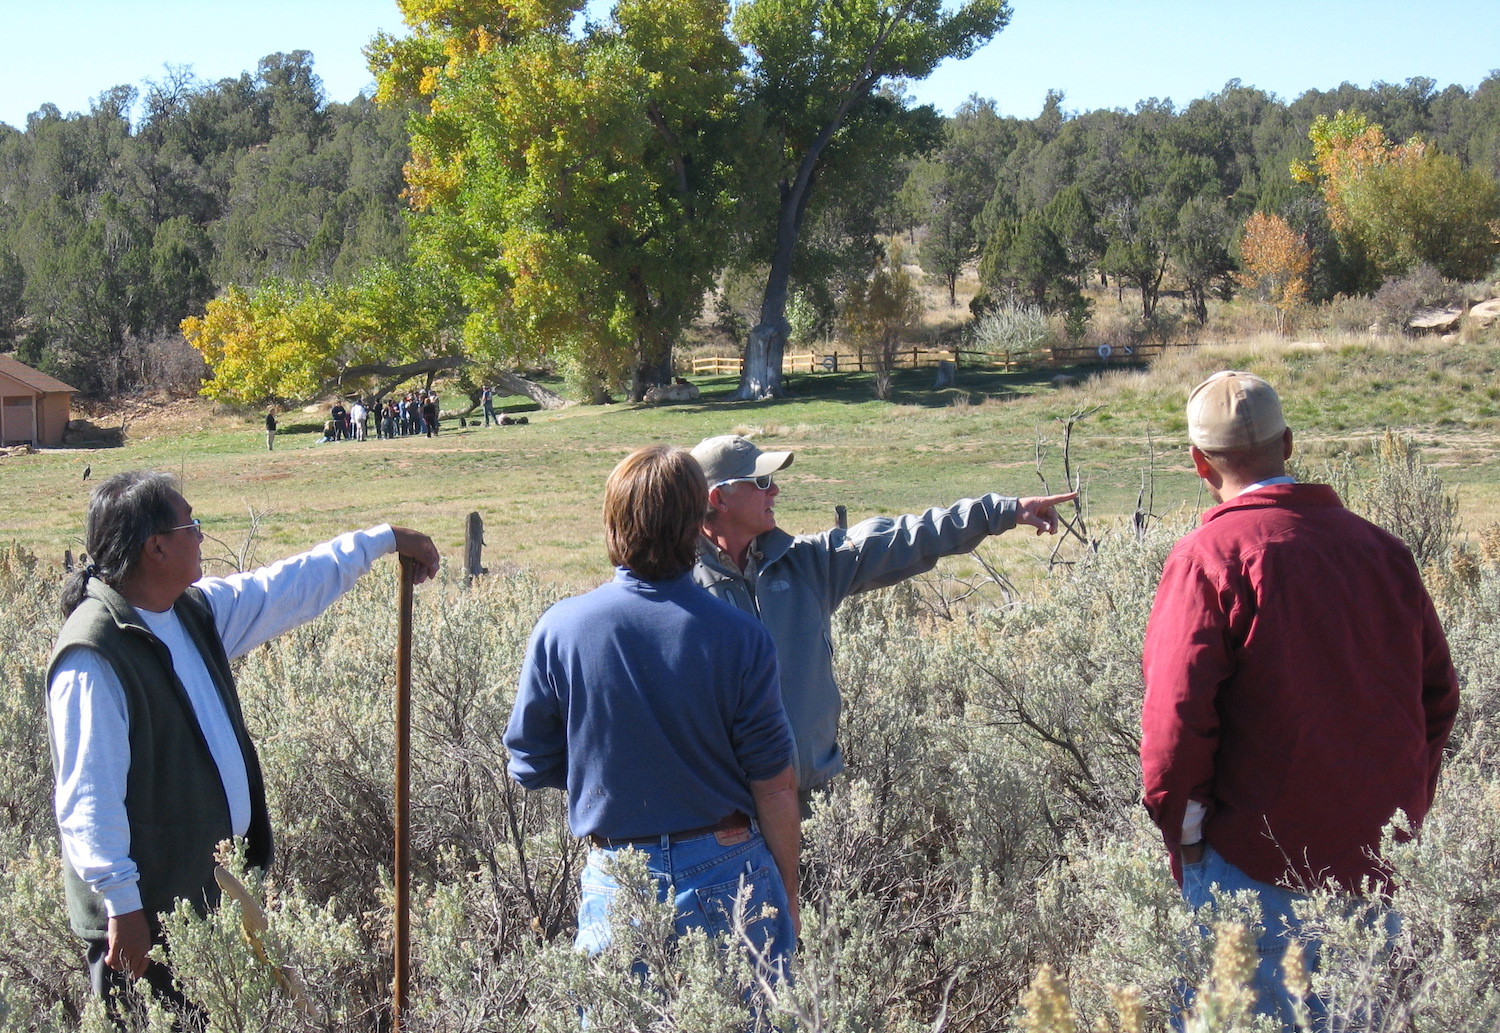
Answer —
1299 690
794 583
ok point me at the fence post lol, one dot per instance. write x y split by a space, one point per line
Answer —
473 546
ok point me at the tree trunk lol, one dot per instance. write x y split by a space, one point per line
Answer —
650 371
653 363
760 372
515 384
391 374
1199 292
760 375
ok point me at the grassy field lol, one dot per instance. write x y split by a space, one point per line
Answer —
537 486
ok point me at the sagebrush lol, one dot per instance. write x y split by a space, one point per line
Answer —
989 822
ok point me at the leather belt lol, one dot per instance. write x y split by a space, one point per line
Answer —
736 820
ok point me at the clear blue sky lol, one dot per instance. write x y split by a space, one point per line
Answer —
1100 53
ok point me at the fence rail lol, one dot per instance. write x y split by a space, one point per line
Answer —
845 361
914 358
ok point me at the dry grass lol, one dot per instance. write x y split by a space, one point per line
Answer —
537 487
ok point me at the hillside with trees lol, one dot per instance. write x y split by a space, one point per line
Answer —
117 224
466 219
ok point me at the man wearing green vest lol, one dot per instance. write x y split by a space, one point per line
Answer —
152 761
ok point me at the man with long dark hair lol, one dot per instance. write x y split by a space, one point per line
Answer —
153 764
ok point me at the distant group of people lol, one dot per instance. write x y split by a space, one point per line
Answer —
1298 688
412 414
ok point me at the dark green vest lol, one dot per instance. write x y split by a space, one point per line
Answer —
174 795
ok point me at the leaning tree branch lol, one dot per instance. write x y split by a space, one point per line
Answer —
390 374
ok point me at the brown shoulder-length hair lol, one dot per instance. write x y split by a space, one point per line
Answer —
654 502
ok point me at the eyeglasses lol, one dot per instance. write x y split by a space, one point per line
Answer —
763 482
195 524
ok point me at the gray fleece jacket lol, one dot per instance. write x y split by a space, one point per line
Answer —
794 584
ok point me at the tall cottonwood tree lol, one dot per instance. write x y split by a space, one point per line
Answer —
814 65
576 182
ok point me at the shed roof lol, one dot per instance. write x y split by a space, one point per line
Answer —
32 378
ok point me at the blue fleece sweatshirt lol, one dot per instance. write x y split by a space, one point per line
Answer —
653 704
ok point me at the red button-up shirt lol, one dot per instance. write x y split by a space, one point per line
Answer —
1298 684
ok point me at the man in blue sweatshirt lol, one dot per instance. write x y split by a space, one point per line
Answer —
658 709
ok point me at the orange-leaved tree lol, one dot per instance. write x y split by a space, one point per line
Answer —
1395 206
1273 263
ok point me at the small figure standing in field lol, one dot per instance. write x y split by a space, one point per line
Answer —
1299 690
657 708
358 419
153 764
487 399
793 584
270 430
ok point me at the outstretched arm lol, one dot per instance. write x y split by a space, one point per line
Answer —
256 606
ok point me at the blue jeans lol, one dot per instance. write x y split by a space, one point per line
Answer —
1279 924
703 879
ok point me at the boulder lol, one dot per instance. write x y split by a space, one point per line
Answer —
1435 320
663 393
1485 313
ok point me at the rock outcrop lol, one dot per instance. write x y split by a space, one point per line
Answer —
664 393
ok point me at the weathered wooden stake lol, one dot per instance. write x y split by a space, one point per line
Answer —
473 545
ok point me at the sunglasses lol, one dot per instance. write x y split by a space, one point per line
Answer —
195 524
763 482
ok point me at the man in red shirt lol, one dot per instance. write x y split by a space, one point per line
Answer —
1299 690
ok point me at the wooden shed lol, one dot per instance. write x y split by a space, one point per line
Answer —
34 408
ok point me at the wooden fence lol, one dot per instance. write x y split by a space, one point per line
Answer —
912 358
854 361
1106 355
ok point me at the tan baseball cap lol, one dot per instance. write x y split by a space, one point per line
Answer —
729 457
1233 410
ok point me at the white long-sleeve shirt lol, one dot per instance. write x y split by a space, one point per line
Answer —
91 728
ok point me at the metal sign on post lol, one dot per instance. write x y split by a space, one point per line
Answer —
402 874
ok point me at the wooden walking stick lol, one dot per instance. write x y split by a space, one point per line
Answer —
403 798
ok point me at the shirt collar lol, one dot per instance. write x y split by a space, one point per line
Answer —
1283 479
